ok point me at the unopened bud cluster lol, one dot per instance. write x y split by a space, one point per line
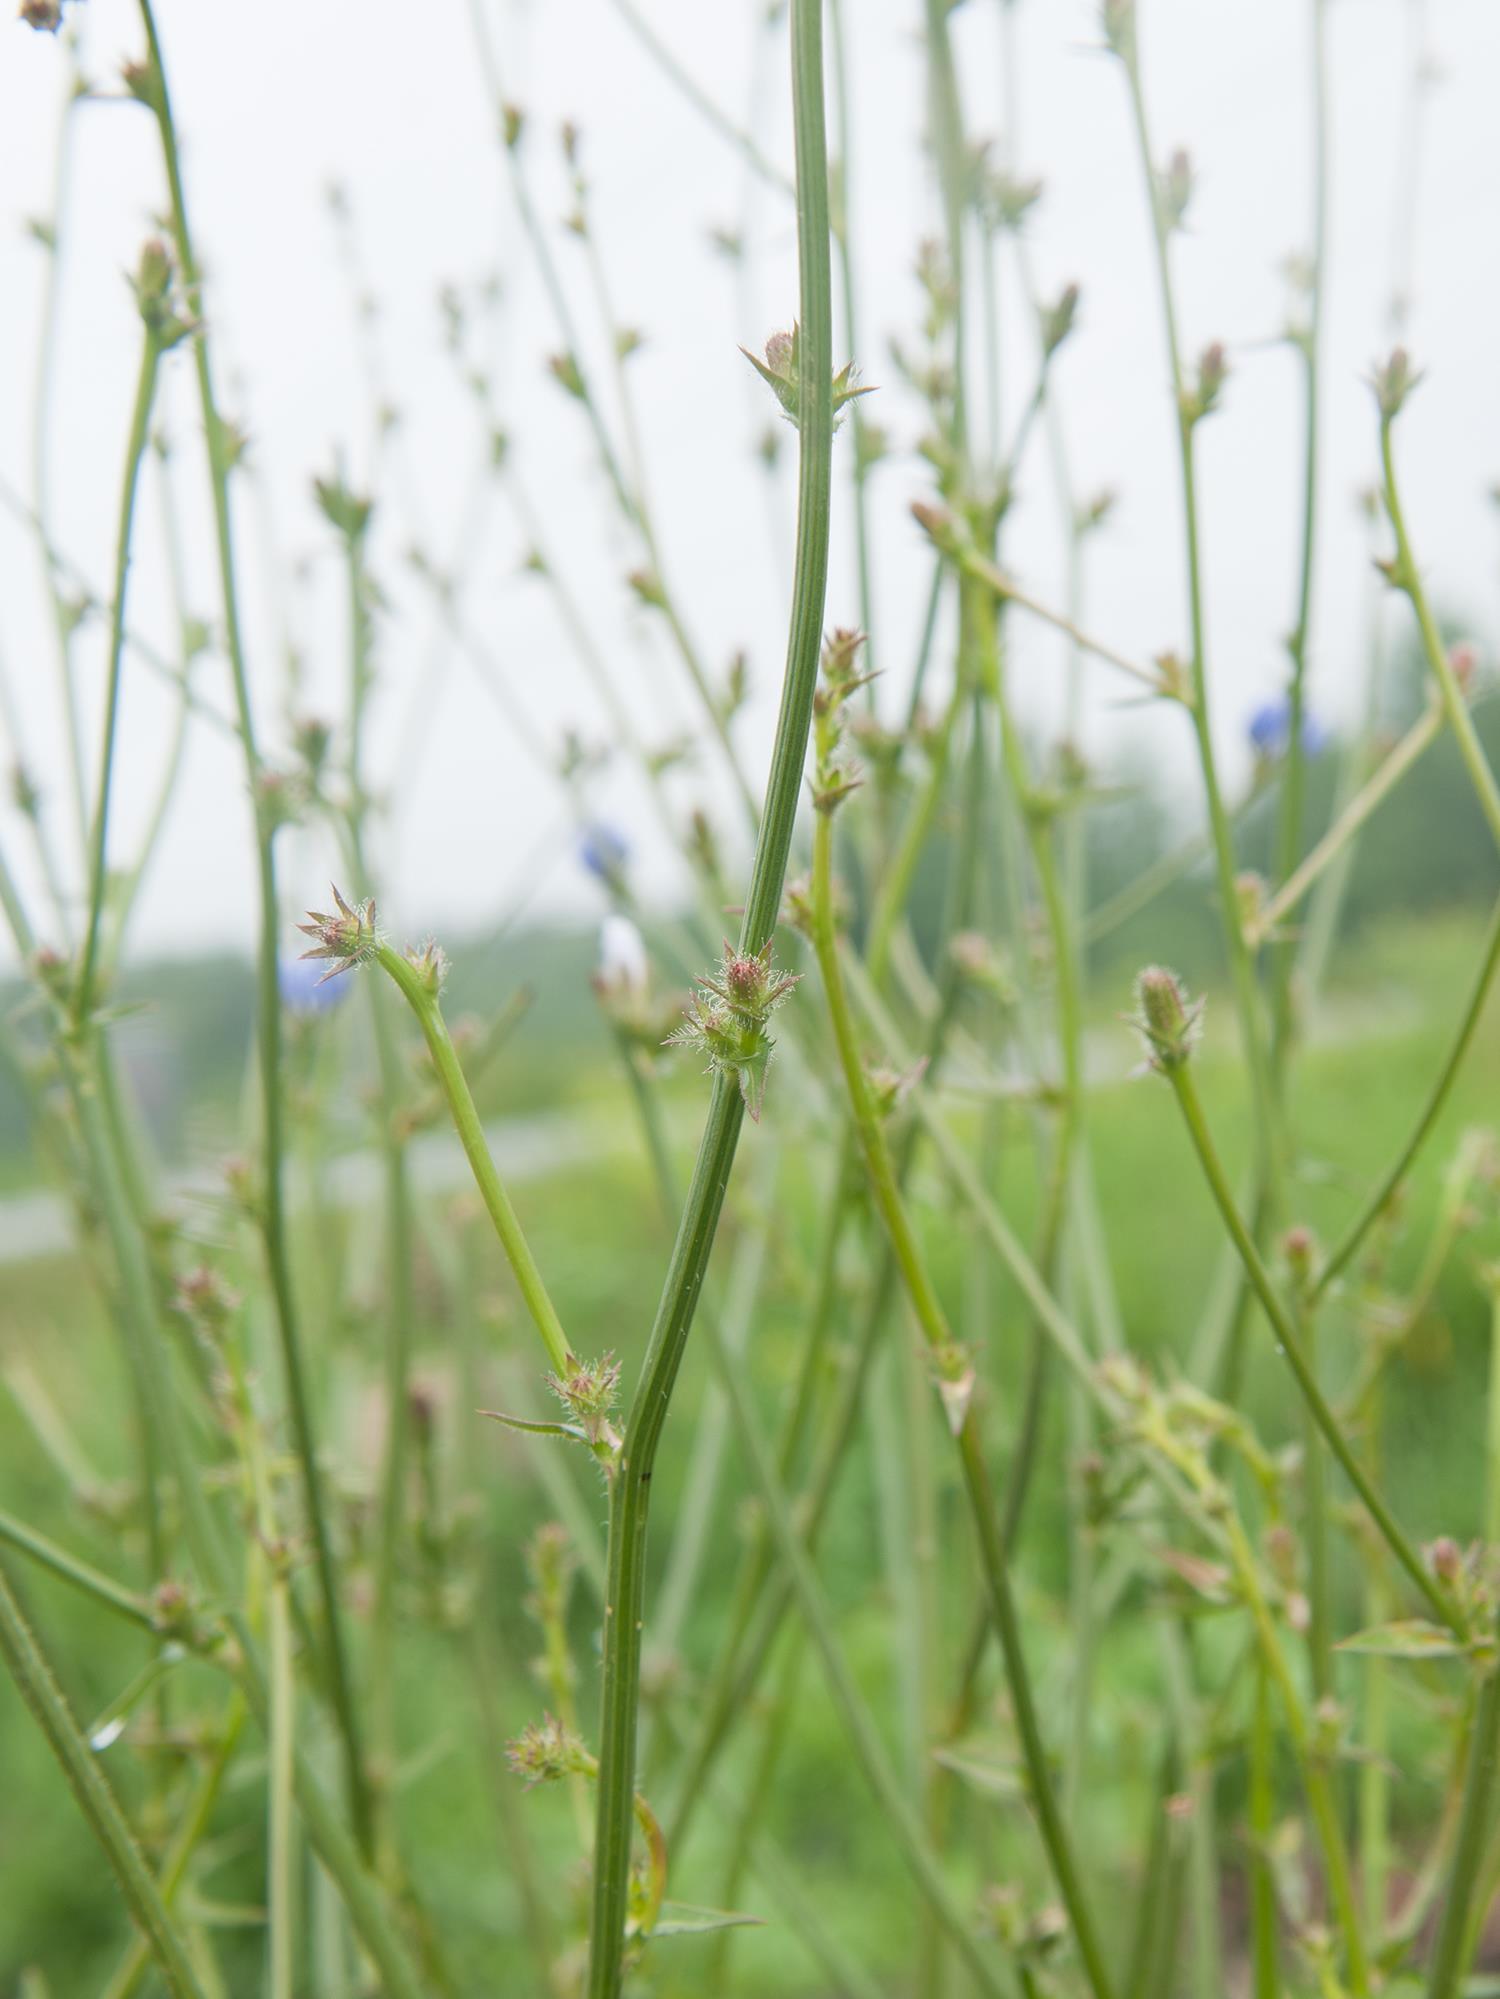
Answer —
727 1018
157 296
781 371
1202 395
588 1391
1169 1022
348 937
545 1752
835 774
1393 381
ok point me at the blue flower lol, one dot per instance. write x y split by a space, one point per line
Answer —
1270 726
304 989
603 850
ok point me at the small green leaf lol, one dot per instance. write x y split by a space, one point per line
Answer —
536 1429
752 1072
987 1774
1405 1638
680 1919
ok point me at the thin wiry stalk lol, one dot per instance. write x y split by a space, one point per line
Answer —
935 1330
423 1002
268 997
1294 763
644 1424
1408 577
1288 1344
1247 1001
1437 1097
37 1686
135 451
1372 793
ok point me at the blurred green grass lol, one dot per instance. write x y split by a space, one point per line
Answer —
598 1232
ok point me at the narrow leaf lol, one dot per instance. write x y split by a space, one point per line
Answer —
680 1919
536 1429
1405 1638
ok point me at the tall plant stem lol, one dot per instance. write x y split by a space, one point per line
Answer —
1288 1343
135 451
1427 1117
39 1689
451 1081
792 1544
1311 1756
400 1304
1372 793
1294 767
136 1962
268 1000
632 1483
1408 578
935 1330
1461 1915
1241 967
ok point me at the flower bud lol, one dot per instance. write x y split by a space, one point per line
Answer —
1166 1019
1057 320
1393 381
1445 1559
545 1752
939 525
348 937
342 508
1119 27
1174 189
1213 372
1299 1246
430 964
566 371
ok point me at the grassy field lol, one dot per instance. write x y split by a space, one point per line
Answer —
64 1457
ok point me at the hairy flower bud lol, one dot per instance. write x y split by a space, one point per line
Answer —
348 937
1393 381
781 371
1056 320
1165 1017
726 1020
545 1752
1174 189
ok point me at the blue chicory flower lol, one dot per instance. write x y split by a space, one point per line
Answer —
603 850
304 989
1270 726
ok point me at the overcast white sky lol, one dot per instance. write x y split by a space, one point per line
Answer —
279 98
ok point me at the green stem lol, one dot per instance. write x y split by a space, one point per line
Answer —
39 1689
1451 1952
933 1322
1432 1109
1294 765
69 1569
268 998
1241 966
899 1812
630 1498
1288 1344
137 1960
1263 1941
135 450
1316 1518
1409 579
1006 590
1372 793
400 1306
424 1004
